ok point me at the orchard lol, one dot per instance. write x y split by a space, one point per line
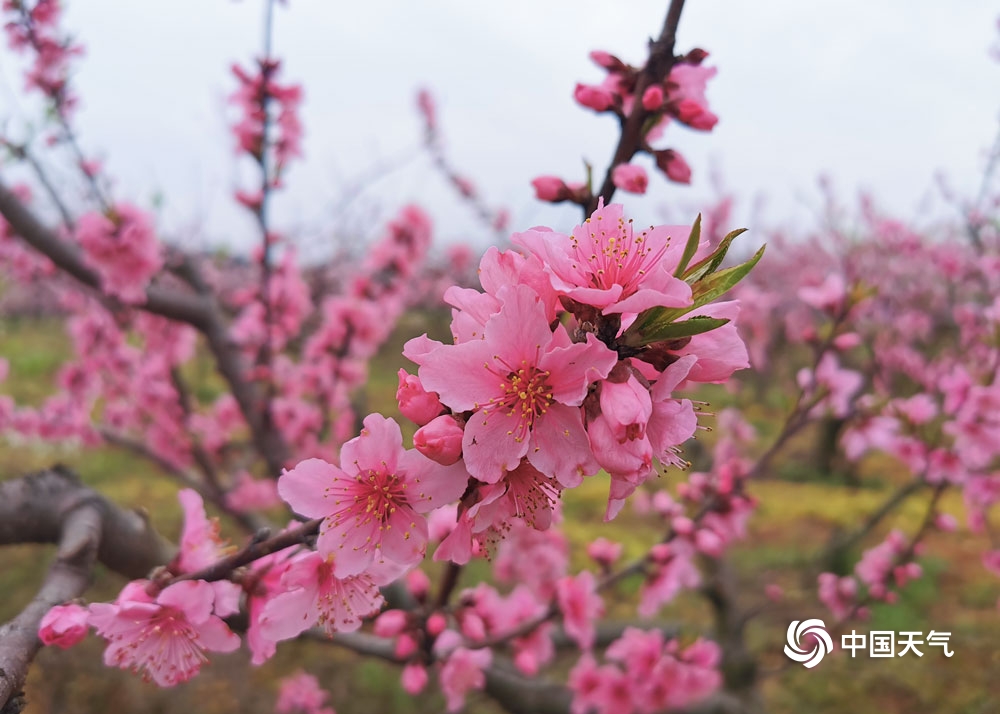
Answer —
603 465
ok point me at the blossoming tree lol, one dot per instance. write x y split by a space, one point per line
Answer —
572 363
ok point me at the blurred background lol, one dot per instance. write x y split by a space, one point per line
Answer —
875 94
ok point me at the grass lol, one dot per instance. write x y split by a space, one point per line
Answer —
796 517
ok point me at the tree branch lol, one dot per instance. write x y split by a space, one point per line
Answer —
661 61
200 311
54 507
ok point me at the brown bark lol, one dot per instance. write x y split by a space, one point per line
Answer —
54 507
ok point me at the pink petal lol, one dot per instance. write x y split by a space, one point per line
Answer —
491 445
560 448
458 374
431 484
572 369
304 487
377 447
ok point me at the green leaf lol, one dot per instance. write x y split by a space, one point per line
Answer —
676 330
702 292
690 248
710 264
716 284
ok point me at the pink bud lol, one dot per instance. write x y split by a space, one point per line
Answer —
406 645
631 178
683 525
847 341
63 626
550 188
604 551
673 165
473 626
527 662
661 553
594 97
652 98
436 624
390 623
773 592
414 678
415 403
418 583
605 59
440 440
690 112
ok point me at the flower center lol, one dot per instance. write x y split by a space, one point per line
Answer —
616 256
378 495
525 394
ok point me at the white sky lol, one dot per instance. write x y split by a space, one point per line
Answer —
879 94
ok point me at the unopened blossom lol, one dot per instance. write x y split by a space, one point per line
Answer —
550 188
686 90
604 551
163 638
440 440
652 98
372 504
416 403
595 97
413 678
64 625
630 178
673 165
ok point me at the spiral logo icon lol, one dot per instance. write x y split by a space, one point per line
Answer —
817 628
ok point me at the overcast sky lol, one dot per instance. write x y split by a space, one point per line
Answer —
879 94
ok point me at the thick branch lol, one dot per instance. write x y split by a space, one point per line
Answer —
54 507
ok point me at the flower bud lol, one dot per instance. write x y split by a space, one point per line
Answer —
414 678
436 624
696 116
652 98
406 645
631 178
418 583
594 97
604 551
440 440
64 626
390 623
673 165
415 403
550 188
